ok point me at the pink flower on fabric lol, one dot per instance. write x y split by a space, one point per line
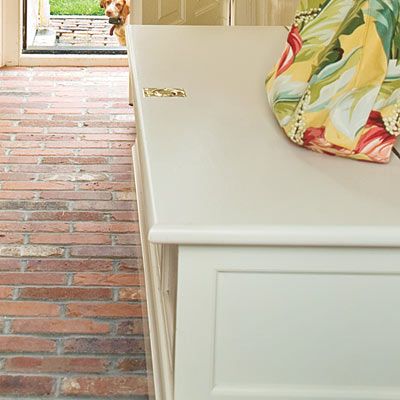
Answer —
294 45
377 144
314 139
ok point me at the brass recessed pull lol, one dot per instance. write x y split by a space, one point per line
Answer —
164 92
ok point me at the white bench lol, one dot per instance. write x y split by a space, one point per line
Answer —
286 263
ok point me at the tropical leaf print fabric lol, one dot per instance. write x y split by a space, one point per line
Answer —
336 88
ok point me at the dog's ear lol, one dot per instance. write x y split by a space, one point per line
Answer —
103 3
127 9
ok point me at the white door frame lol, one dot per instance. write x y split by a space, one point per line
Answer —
12 46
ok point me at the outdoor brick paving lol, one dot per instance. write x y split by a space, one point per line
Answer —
83 31
71 294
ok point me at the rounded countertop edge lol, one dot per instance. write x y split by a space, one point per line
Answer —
288 236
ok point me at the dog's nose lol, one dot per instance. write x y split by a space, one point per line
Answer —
109 13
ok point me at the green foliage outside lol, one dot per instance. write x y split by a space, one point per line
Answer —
76 7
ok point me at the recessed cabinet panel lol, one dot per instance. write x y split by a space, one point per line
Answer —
310 328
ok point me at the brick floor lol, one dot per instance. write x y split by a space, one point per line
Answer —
83 31
71 299
77 32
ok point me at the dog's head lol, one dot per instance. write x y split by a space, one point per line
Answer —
115 8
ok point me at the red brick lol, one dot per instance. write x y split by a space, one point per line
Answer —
65 293
53 111
132 294
108 137
10 216
123 177
79 130
70 238
132 365
115 310
8 238
9 265
56 365
5 195
20 129
68 265
46 123
77 144
87 279
131 265
121 160
107 168
41 152
73 160
66 216
104 345
10 176
23 278
124 216
76 196
35 227
105 152
44 168
110 186
135 327
105 386
44 137
6 292
26 344
103 205
26 385
59 326
118 145
18 160
25 205
28 309
106 251
38 186
133 239
114 227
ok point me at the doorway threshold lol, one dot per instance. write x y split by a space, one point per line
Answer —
72 60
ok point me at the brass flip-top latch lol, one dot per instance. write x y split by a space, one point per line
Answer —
164 92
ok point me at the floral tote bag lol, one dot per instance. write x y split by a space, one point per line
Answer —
336 89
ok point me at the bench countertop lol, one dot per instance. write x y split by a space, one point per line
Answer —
220 169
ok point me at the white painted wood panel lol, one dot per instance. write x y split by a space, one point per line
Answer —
208 132
288 280
288 323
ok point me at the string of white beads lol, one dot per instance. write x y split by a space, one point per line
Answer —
303 17
392 123
299 125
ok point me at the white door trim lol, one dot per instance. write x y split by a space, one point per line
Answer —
12 46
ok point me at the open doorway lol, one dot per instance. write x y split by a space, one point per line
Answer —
67 26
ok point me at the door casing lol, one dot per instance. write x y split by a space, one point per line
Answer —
12 32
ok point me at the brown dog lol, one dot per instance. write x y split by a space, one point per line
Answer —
119 9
